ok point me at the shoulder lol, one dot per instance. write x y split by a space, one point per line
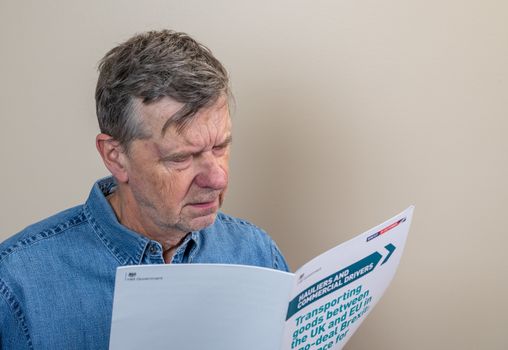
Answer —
240 228
244 241
44 230
226 219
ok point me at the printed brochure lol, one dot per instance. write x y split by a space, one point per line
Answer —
230 307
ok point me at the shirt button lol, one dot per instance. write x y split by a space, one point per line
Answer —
153 249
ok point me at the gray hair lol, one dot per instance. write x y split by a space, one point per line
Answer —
148 67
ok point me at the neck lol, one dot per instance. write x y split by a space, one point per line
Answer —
132 216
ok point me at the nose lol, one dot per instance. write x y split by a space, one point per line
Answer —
213 173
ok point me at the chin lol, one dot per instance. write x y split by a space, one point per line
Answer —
202 222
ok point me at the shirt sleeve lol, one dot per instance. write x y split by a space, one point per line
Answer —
12 336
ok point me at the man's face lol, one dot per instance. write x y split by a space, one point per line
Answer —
178 178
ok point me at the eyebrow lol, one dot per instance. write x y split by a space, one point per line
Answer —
227 141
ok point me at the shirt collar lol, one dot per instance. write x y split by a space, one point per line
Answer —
126 245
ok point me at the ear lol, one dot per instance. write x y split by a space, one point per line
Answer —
113 156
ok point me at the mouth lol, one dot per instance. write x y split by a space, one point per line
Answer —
204 205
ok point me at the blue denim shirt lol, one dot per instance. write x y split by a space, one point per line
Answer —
57 276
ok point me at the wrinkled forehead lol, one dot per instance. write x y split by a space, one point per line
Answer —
157 119
166 114
215 112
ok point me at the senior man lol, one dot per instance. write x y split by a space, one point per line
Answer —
162 106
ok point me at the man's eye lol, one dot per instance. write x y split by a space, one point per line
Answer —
220 149
181 159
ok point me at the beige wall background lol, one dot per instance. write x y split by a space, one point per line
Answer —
347 112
